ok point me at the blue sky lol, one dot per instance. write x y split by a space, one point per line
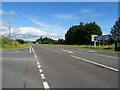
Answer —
34 19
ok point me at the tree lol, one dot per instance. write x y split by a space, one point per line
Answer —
115 31
81 34
20 41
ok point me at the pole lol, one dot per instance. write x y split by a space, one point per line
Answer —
95 43
9 28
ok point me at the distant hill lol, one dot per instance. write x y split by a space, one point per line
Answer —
7 43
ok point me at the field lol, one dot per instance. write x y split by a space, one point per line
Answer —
90 47
6 43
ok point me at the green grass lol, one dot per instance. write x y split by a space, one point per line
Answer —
89 47
6 43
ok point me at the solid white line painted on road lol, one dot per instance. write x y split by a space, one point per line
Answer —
106 55
40 70
33 50
39 66
46 86
67 51
98 64
42 76
35 55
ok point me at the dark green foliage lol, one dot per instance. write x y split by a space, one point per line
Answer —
115 31
20 41
49 41
81 34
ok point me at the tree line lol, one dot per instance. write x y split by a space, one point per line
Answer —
81 34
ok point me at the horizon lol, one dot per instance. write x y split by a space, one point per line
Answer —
31 20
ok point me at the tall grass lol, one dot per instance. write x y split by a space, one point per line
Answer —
6 43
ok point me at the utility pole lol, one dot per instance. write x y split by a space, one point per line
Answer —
9 28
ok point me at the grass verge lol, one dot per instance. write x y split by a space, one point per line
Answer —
89 47
7 43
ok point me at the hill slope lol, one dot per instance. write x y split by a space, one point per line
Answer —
7 43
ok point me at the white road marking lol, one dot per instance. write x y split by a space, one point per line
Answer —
106 55
47 48
108 67
17 51
42 76
38 63
46 86
39 66
35 55
30 49
67 51
34 52
56 51
40 70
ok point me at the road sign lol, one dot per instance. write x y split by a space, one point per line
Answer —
93 37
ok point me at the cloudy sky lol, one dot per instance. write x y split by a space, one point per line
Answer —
31 20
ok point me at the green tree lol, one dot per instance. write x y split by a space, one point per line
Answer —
81 34
115 31
20 41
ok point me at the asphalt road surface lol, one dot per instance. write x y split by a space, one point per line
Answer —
42 66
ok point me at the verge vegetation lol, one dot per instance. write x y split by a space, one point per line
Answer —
6 43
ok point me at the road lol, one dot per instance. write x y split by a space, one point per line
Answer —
43 66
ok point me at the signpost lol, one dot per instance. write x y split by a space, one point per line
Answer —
93 39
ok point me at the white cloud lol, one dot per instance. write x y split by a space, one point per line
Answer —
97 14
50 28
66 16
84 10
26 32
2 12
12 12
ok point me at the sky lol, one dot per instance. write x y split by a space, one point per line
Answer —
31 20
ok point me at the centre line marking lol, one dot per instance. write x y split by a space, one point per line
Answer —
30 49
46 86
67 51
39 66
106 55
98 64
38 63
40 70
56 51
42 76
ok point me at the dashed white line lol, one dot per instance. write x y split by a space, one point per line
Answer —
30 49
38 63
40 70
106 55
47 48
46 86
98 64
42 76
56 51
39 66
67 51
17 51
